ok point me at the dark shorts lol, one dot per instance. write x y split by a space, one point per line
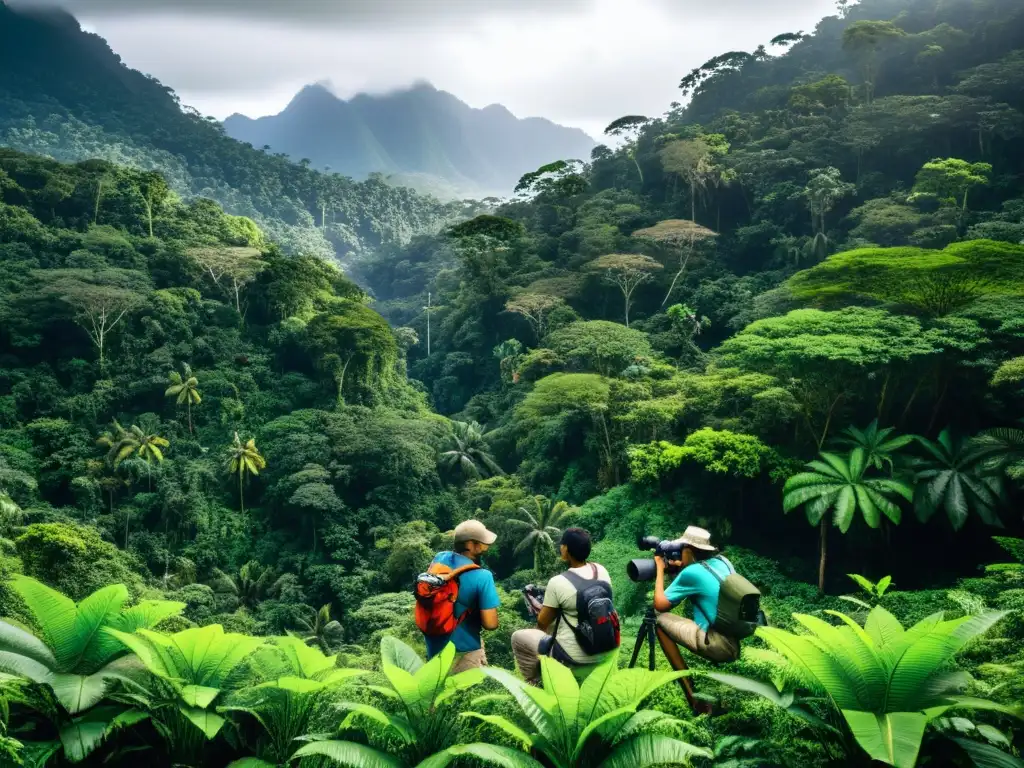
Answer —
548 647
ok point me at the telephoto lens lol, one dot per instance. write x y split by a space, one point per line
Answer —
641 569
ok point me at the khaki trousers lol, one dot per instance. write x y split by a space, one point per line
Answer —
526 649
713 646
469 660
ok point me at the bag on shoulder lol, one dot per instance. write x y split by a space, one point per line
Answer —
436 592
739 604
597 630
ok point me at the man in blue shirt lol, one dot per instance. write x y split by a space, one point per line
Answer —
478 598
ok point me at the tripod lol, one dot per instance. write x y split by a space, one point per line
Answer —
648 628
648 632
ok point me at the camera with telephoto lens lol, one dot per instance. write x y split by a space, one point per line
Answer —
643 569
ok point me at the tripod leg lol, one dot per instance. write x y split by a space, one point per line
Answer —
650 641
641 636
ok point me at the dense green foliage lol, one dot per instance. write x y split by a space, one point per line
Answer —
250 444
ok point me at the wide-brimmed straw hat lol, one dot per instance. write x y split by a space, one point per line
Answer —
697 538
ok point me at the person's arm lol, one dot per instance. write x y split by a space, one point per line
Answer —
666 601
489 602
546 617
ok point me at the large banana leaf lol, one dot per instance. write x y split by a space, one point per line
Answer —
349 754
651 751
489 754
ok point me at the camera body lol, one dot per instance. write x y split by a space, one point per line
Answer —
643 569
534 597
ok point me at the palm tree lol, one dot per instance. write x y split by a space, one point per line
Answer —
469 452
958 476
253 584
243 459
185 389
880 446
126 442
539 526
838 483
320 630
1002 449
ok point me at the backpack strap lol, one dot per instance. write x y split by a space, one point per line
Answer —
461 570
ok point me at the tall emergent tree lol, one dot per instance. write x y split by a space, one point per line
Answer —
950 180
626 271
535 307
243 459
692 161
185 390
679 236
629 127
865 40
825 187
231 269
98 299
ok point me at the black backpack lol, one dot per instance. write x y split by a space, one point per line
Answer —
597 630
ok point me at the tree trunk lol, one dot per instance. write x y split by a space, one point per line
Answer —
824 554
188 402
241 494
127 520
99 194
693 200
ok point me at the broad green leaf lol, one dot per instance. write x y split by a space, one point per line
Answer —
250 762
399 725
505 724
206 721
538 705
592 689
488 754
641 720
650 751
749 685
883 584
54 614
350 754
397 653
199 695
864 584
79 692
430 678
23 643
81 737
894 738
560 682
988 756
23 666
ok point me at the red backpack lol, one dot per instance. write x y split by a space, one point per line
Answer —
436 592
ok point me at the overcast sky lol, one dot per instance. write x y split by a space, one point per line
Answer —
577 62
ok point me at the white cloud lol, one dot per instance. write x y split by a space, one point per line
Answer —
606 59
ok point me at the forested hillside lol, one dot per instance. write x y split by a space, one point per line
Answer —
66 95
791 312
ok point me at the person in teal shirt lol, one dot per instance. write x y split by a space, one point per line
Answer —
478 598
699 585
696 583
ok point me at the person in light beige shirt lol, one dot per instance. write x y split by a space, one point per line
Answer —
557 615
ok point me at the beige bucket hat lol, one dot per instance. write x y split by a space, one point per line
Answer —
697 538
